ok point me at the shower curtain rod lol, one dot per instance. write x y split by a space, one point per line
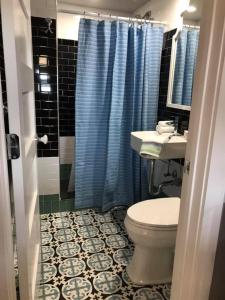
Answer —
191 26
108 16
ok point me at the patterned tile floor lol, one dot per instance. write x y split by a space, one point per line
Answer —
84 256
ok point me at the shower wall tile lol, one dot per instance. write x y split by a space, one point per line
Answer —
45 83
67 62
165 112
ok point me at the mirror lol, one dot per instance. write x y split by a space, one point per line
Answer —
183 58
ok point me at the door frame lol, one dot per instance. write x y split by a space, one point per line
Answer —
7 274
203 189
201 204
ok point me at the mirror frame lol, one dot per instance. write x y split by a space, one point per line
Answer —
169 102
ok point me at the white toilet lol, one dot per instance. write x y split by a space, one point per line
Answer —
152 226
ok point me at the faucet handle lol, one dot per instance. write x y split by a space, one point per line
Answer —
176 123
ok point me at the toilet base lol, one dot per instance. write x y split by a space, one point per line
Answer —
151 265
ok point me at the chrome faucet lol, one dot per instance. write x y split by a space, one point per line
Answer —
176 123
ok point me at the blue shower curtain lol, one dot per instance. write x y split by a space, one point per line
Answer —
187 48
116 93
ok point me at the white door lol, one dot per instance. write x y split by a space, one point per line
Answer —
17 42
203 187
7 275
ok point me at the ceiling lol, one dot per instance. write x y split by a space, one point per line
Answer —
195 16
128 6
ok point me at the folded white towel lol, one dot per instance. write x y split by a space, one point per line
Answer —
154 147
165 129
165 123
158 138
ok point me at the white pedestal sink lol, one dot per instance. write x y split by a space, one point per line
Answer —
151 145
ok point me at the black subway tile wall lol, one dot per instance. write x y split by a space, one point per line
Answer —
67 61
165 112
45 82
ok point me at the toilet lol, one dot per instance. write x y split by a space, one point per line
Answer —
152 226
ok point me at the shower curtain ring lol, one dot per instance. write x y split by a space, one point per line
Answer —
98 16
84 14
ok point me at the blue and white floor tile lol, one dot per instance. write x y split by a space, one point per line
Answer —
84 256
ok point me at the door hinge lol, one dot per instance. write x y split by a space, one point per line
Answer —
187 166
13 146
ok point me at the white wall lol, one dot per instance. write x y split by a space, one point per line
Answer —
43 8
68 24
48 175
191 22
162 10
67 149
165 10
70 7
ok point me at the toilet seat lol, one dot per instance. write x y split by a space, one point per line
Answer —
162 213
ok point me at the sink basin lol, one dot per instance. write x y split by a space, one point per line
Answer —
151 145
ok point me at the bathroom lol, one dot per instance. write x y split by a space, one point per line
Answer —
108 166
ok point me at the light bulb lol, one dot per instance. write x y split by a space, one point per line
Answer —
191 9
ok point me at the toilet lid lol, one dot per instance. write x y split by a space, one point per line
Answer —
157 212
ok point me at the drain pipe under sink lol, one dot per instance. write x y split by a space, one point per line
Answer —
156 190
